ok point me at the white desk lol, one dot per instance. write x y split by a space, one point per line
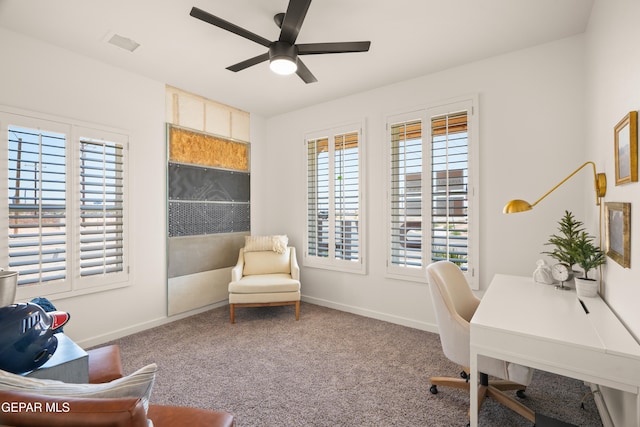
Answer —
538 326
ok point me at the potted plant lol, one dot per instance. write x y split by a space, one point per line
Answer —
564 242
588 256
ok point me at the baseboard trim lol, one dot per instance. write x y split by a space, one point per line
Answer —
113 335
398 320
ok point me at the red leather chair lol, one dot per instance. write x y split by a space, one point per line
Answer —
21 409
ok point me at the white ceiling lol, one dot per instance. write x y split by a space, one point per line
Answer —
409 38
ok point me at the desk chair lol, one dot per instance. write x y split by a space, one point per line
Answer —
455 305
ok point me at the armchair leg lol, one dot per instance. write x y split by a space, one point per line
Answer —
232 307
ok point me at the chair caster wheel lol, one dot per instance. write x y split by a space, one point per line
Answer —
520 394
433 389
464 375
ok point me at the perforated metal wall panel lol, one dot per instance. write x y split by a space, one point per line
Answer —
188 182
195 218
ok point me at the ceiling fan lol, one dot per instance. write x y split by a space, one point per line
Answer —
283 53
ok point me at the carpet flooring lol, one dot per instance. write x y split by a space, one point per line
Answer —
331 368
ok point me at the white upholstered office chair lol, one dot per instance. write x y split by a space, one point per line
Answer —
455 305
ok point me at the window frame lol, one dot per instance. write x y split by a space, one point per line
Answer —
425 114
330 262
73 284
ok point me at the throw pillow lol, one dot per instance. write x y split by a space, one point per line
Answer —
138 384
276 243
280 243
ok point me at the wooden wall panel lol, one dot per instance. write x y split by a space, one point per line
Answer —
207 150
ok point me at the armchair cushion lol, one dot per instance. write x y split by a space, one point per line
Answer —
265 283
136 385
266 262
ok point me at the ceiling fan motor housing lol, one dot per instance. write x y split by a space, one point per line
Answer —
283 50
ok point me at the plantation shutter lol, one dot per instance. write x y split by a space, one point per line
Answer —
37 205
318 197
449 189
346 196
406 194
101 207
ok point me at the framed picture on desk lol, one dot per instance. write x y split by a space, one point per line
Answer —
618 226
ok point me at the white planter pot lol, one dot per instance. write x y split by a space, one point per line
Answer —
587 287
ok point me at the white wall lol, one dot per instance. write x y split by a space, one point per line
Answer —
42 78
614 90
613 64
531 136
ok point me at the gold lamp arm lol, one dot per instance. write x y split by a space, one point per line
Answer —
600 185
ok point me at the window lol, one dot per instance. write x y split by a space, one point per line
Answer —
449 188
432 219
334 237
101 225
406 193
65 204
37 205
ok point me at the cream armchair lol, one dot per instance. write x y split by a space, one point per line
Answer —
265 278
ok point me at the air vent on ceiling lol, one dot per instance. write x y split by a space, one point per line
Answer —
124 42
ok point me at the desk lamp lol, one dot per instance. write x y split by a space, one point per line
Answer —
600 185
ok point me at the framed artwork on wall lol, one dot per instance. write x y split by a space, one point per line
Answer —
626 149
618 232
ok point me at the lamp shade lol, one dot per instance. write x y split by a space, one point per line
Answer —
600 184
283 58
283 66
515 206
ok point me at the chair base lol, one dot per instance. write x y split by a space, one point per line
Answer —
493 389
232 307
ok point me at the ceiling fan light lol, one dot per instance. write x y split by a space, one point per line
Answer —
283 66
283 58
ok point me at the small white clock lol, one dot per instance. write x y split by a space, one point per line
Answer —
562 273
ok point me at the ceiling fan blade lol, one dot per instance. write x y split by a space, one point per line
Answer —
293 18
305 73
249 62
339 47
226 25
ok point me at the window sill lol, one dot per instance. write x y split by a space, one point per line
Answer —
346 267
29 293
